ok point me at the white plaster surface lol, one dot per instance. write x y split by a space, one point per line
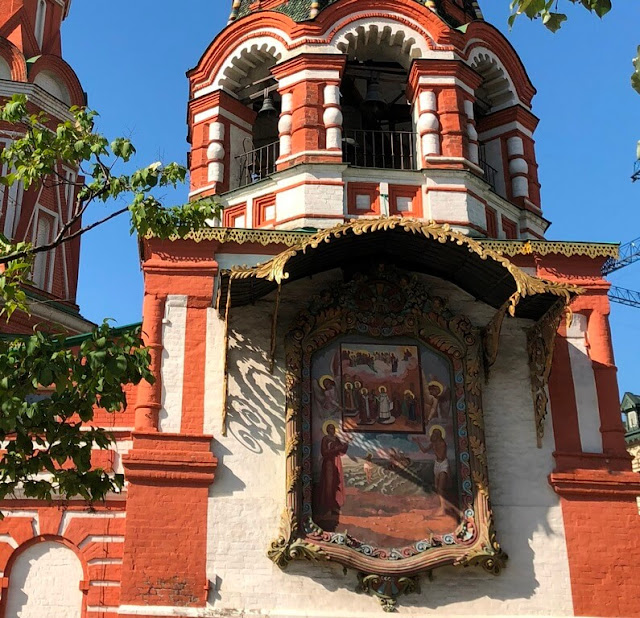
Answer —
172 368
45 583
584 384
248 494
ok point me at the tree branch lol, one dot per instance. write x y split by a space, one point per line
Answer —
60 241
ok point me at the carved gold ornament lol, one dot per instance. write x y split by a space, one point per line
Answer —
541 339
275 269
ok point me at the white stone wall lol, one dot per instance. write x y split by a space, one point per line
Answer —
45 583
174 326
247 496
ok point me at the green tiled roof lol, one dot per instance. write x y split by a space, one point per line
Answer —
300 10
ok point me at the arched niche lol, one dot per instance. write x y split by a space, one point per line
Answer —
44 582
49 81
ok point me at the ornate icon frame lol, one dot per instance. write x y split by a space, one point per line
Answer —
335 313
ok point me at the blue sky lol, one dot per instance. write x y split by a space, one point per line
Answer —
132 57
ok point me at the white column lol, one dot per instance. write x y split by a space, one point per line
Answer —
284 124
474 155
428 123
215 153
518 167
332 117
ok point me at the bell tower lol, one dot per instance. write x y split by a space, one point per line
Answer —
307 114
31 63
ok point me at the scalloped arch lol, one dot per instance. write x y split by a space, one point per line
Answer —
248 55
482 34
366 31
274 25
498 86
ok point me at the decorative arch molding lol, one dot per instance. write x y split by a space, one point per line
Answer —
320 31
382 30
249 54
497 84
15 59
409 10
58 67
482 34
274 25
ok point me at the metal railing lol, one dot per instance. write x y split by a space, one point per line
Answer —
490 173
395 150
257 164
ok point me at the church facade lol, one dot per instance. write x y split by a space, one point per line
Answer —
379 387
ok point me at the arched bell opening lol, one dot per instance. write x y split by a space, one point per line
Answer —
495 93
378 124
254 149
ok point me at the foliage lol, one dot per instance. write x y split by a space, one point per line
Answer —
546 10
49 389
36 158
47 396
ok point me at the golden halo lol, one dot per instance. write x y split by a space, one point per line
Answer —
441 428
357 382
348 386
382 389
410 393
438 384
323 379
364 390
326 424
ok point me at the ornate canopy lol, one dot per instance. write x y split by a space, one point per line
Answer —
424 247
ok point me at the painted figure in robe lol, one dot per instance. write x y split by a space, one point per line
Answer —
331 491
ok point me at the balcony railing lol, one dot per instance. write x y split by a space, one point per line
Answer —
257 164
490 173
391 150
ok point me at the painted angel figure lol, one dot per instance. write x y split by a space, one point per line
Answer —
327 393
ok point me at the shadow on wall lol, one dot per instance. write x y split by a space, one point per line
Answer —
254 420
226 482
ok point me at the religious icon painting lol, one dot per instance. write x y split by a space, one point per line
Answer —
384 457
381 388
386 461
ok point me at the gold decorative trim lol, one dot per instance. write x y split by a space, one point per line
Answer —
274 330
225 385
550 247
541 339
526 285
491 339
243 236
510 248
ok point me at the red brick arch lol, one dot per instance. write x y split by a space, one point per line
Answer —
319 30
15 59
61 69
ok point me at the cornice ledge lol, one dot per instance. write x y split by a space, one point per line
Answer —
596 483
170 459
